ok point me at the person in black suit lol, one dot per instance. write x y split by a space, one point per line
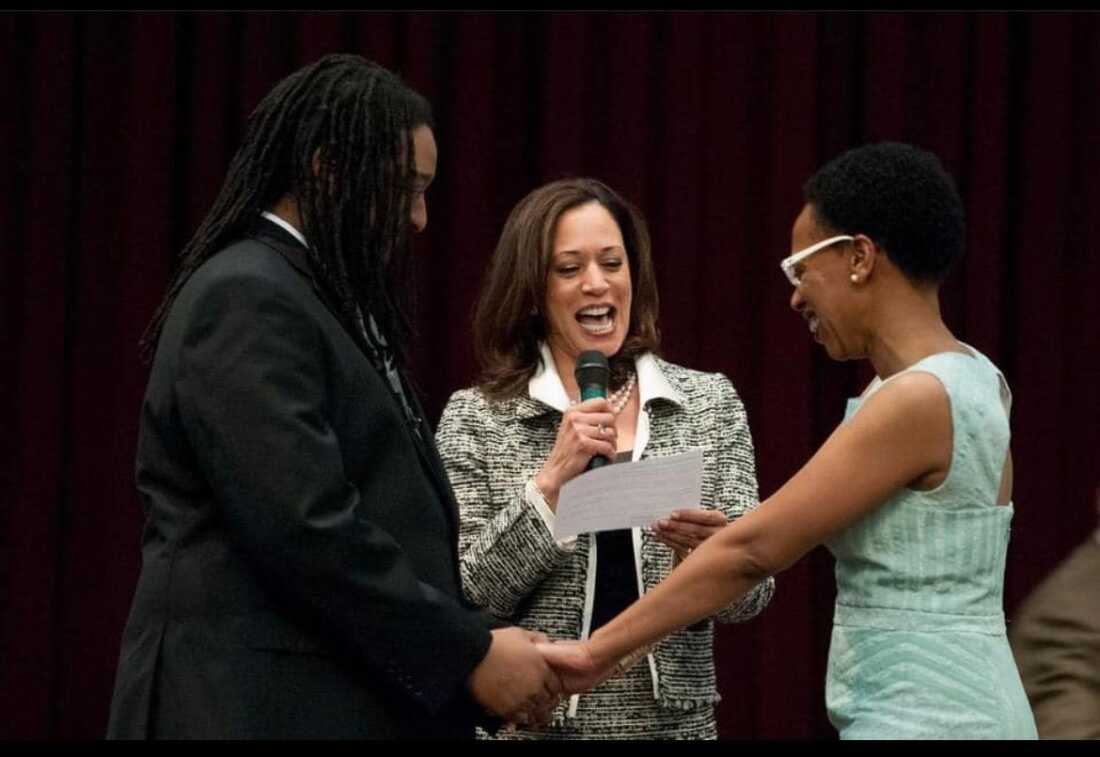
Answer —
299 558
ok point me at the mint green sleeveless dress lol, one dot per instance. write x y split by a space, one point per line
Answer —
918 647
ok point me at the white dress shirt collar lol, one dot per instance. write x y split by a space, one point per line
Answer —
286 225
546 386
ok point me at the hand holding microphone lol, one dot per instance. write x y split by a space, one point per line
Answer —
586 436
593 374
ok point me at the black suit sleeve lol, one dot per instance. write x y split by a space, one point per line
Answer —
251 390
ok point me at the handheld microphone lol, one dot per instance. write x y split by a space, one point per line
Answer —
593 373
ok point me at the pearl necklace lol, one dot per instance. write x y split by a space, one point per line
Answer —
618 398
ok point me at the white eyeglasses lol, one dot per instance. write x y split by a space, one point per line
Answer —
788 263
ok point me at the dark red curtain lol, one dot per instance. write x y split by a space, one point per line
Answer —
118 128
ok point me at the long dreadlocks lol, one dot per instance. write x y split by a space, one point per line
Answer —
337 136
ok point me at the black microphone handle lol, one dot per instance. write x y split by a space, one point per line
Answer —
591 391
592 373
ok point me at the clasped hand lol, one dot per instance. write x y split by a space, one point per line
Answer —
524 675
514 681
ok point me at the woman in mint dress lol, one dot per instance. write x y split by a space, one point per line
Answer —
911 493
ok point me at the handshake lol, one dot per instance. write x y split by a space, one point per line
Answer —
525 675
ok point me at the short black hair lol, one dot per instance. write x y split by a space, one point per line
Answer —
901 197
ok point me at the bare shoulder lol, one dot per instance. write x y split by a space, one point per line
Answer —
908 422
913 397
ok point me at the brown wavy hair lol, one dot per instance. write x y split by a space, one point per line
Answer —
509 321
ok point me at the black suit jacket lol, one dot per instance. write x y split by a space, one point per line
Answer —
299 560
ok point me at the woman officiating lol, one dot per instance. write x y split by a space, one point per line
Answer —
572 272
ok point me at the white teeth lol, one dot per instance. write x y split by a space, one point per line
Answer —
813 324
604 327
596 310
596 319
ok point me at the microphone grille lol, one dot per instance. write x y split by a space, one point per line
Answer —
593 358
592 368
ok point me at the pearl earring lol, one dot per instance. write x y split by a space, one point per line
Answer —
855 278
